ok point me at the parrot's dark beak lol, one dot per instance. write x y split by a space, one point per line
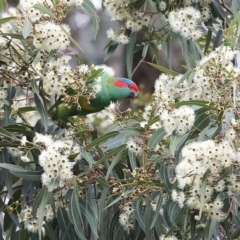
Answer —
133 94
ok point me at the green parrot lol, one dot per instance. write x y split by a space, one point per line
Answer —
112 90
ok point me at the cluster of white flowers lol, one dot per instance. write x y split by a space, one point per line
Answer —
209 83
31 223
134 146
126 217
34 15
49 36
180 120
198 158
185 21
125 12
56 83
155 203
162 237
54 159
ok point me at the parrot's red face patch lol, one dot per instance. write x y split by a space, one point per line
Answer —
126 83
120 84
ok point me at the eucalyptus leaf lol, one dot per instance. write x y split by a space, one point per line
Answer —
101 139
129 54
89 6
27 28
156 137
74 213
121 154
163 69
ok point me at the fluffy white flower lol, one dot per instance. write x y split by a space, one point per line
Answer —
23 140
55 159
134 147
185 21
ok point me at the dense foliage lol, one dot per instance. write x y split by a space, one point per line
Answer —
169 171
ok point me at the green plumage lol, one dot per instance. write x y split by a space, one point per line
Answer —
109 93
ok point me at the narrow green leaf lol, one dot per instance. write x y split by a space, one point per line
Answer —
6 176
138 215
89 6
203 191
42 111
1 10
19 129
163 69
187 54
101 139
218 7
117 199
5 133
229 42
53 184
225 225
12 167
155 51
20 235
156 214
42 212
147 221
203 133
111 47
44 10
218 39
74 214
144 53
235 9
169 59
236 234
189 74
153 120
88 157
129 54
132 160
50 232
10 144
102 182
205 104
109 154
176 142
177 219
156 137
38 200
65 226
27 28
192 226
202 119
27 109
164 177
14 35
7 19
28 174
173 210
92 221
95 74
114 223
115 161
207 41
